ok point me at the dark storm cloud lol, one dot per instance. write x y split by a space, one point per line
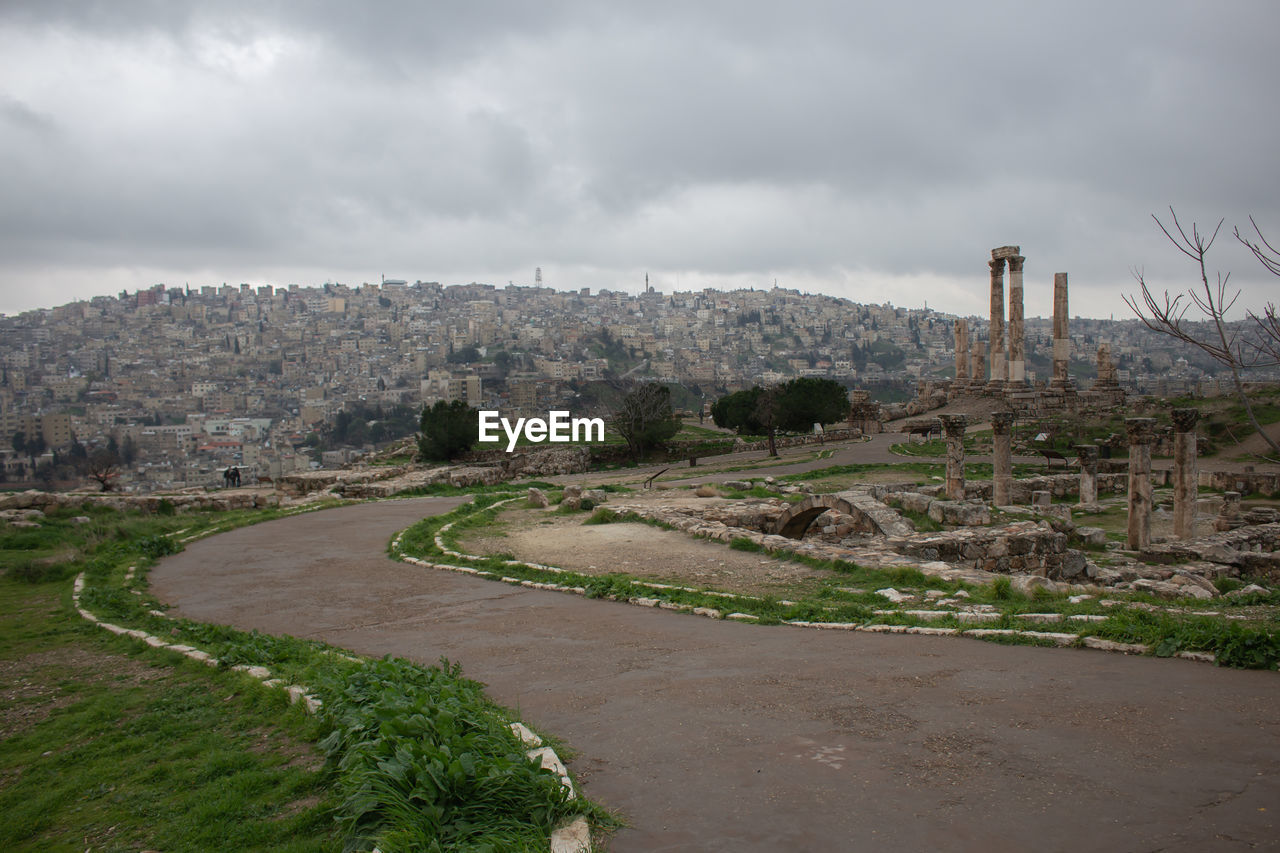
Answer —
860 150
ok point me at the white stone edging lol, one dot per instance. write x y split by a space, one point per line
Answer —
574 837
1060 639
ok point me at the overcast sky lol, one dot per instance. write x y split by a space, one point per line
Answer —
872 151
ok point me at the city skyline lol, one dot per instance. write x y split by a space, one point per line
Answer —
870 154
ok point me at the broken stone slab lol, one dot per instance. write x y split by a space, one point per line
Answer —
573 838
1251 589
538 498
1112 646
893 595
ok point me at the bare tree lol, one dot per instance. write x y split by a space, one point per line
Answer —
1224 343
1268 325
103 466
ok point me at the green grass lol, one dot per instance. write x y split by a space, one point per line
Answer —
110 744
409 757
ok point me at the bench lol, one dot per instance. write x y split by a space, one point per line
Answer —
924 430
1052 455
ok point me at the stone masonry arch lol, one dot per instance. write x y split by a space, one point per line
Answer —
867 510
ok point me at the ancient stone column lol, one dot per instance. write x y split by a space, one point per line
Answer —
1141 433
962 353
1002 473
1061 340
1229 516
953 427
978 363
1088 454
1185 476
996 336
1106 371
1017 349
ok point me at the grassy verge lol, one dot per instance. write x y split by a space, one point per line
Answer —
850 595
406 757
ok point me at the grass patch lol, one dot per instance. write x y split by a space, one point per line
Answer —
408 757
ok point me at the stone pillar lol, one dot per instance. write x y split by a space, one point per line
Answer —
1061 340
1088 454
1017 349
1229 516
1106 371
1141 433
953 426
1002 469
1185 477
962 353
978 363
995 348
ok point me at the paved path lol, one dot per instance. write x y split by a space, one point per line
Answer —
713 736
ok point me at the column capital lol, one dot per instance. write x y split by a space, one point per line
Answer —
1001 422
1140 430
954 425
997 267
1184 420
1015 263
1087 452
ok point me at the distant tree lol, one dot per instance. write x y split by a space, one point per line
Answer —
644 418
447 430
128 451
466 355
78 456
35 447
104 466
806 401
19 442
737 411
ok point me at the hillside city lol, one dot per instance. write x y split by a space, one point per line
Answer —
183 382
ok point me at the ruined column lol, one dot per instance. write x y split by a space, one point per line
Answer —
1017 349
1061 341
953 427
978 363
1106 371
962 353
1141 433
995 343
1002 473
1088 454
1185 476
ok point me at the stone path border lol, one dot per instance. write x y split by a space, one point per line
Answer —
573 837
1058 638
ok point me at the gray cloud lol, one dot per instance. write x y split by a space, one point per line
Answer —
856 150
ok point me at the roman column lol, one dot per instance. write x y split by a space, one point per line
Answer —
1002 473
1106 370
996 335
1185 476
1017 349
953 426
1141 433
978 363
1061 342
962 353
1088 454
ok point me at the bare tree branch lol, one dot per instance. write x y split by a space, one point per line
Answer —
1225 344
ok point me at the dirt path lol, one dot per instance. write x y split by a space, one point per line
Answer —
638 549
714 735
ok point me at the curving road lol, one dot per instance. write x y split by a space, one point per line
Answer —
713 735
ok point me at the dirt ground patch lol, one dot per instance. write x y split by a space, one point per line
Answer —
637 549
31 689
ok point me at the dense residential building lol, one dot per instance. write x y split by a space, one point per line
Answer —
197 380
